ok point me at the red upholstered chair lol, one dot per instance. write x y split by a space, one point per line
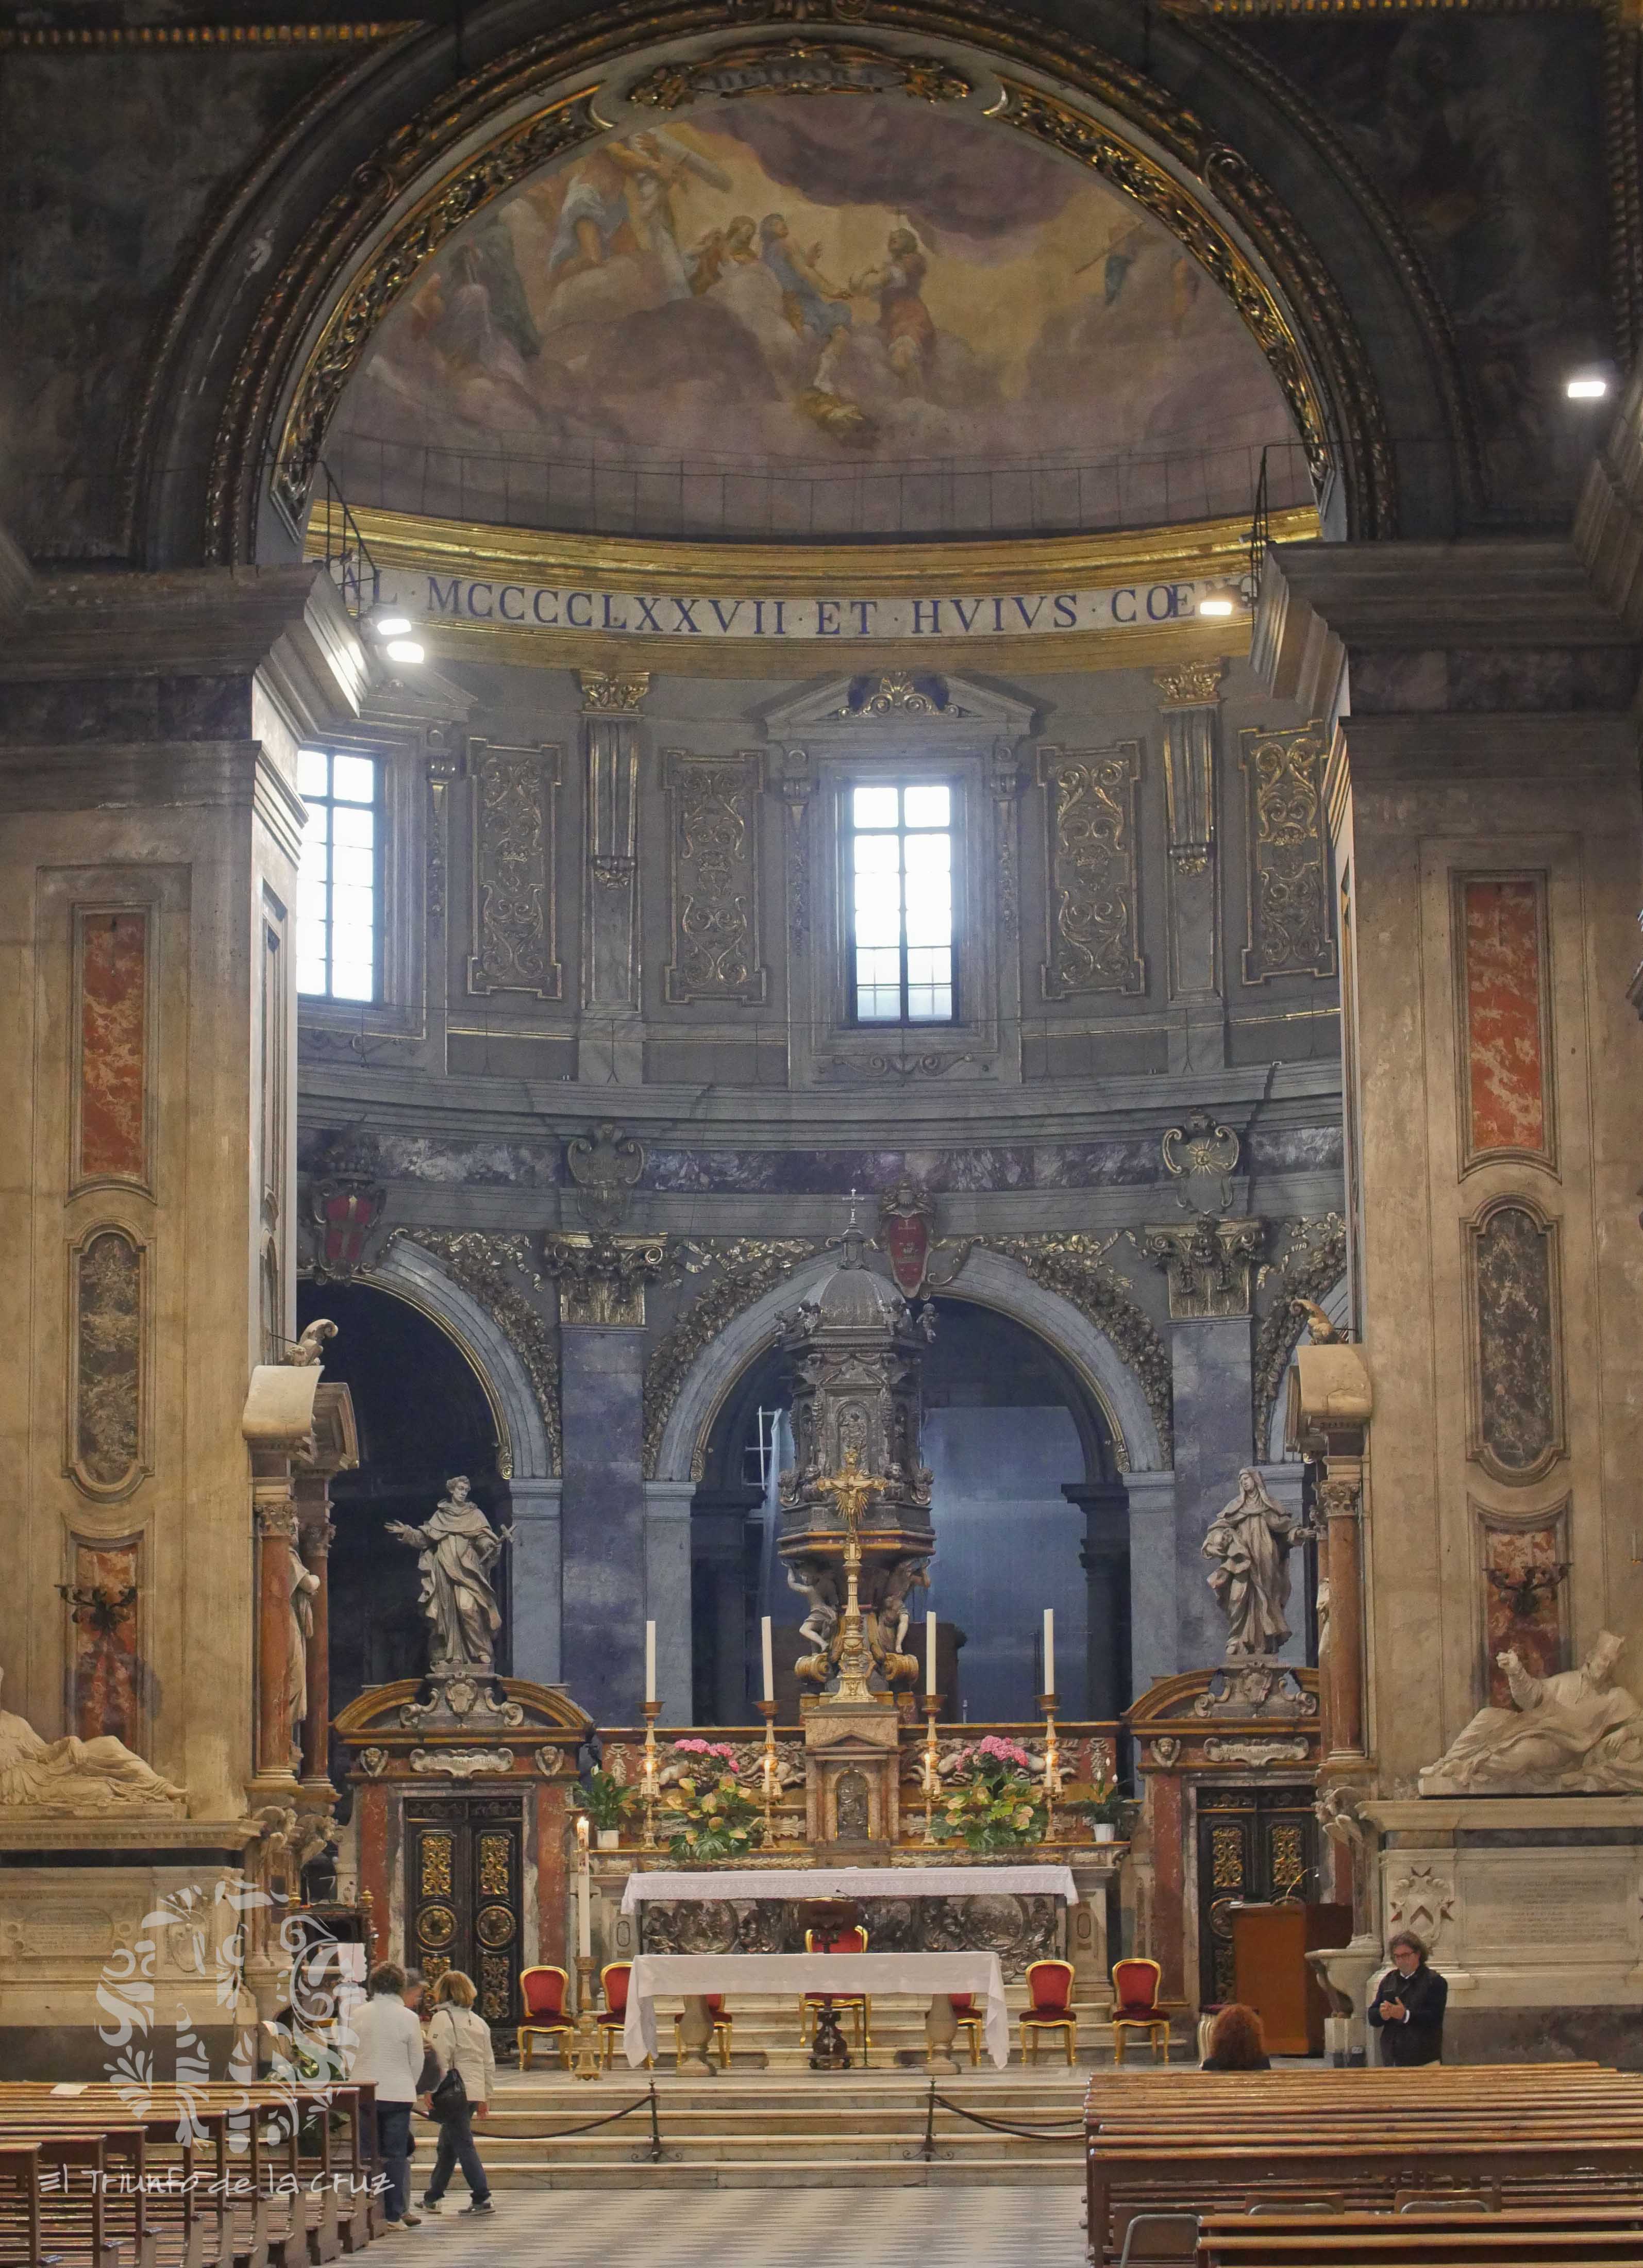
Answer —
1135 1988
837 1940
542 1992
970 2021
721 2015
613 1983
1049 2007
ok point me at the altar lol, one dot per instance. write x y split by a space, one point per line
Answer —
789 1976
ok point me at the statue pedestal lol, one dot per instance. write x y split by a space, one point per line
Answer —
1533 1906
148 1931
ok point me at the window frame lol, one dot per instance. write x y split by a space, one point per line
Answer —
378 807
402 754
884 777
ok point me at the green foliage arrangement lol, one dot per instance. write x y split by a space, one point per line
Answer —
710 1815
993 1803
607 1801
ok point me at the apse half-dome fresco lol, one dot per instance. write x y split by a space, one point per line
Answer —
822 316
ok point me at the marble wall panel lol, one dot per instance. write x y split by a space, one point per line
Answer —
513 903
105 1670
713 877
1501 927
106 1443
1524 1562
1517 1381
1093 925
1288 911
111 952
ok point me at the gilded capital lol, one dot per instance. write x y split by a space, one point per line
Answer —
1189 684
604 695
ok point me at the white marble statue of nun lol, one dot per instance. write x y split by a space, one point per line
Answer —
1248 1540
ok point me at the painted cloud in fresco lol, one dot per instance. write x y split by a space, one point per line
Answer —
825 315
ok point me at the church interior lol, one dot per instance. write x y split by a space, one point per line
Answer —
821 852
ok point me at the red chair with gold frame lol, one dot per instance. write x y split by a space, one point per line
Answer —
969 2019
613 1983
543 1993
837 1940
721 2040
1049 2007
1136 1983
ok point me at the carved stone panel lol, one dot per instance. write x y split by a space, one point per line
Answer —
1504 1001
515 919
106 1292
713 877
1287 881
106 1672
1517 1384
111 1042
1093 944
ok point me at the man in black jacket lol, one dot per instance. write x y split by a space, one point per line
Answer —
1407 2005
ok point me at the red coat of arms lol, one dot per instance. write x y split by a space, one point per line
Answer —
906 1217
346 1211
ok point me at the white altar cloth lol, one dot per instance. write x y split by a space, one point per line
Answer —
791 1975
854 1882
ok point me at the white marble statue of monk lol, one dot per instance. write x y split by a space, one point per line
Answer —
458 1548
75 1778
1576 1730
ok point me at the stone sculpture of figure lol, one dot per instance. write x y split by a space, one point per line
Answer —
908 1574
1248 1540
75 1778
816 1583
304 1585
459 1548
1575 1732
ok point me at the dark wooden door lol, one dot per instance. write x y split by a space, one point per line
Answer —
464 1894
1254 1844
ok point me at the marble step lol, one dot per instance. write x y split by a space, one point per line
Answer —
828 2173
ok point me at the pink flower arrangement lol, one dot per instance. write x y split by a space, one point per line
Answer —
991 1750
721 1749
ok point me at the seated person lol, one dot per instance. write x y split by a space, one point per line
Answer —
1236 2041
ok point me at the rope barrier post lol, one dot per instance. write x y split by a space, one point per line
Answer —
656 2129
927 2148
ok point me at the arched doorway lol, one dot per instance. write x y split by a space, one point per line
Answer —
1028 1507
411 1440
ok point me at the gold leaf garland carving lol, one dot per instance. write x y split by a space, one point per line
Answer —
1287 877
747 1267
1093 918
484 1265
515 797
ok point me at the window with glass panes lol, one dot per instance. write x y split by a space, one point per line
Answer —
336 881
901 883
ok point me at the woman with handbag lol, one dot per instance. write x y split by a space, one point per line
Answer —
461 2041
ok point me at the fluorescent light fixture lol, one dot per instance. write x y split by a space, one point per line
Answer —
392 625
1217 609
405 650
1588 387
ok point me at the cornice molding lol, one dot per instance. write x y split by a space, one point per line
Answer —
60 38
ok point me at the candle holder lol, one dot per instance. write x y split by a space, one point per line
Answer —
931 1771
768 1771
586 2029
650 1787
1052 1764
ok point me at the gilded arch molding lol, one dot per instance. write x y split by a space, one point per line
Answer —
549 96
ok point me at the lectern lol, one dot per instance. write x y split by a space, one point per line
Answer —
1271 1973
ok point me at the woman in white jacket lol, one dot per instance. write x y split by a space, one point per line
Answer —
459 2038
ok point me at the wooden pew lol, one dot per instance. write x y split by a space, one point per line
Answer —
1537 2238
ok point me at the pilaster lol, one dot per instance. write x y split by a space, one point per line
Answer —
1190 712
612 1046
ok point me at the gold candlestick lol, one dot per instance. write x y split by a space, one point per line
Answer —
1052 1765
768 1771
649 1789
932 1774
586 2029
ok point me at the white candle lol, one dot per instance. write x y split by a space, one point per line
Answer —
583 1915
770 1666
1050 1650
930 1654
650 1661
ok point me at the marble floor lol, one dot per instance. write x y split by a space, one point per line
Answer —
752 2228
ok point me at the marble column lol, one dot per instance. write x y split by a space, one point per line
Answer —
1105 1558
718 1542
602 1519
1190 713
334 1448
535 1573
1155 1645
667 1592
611 1042
275 1522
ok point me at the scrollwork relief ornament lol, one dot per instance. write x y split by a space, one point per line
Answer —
1201 1158
1089 808
513 895
714 878
1256 1754
1208 1263
603 1278
1420 1899
459 1763
606 1171
1255 1688
1289 921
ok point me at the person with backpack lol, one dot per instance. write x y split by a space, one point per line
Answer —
460 2042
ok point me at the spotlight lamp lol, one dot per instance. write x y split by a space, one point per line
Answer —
392 624
1217 609
1586 386
405 650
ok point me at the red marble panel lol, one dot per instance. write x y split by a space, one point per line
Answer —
1506 1069
113 1040
107 1670
372 1803
552 1872
1524 1569
1169 1924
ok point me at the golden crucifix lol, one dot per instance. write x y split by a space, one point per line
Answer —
851 1490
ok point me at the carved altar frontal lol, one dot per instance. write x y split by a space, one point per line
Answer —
1019 1929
